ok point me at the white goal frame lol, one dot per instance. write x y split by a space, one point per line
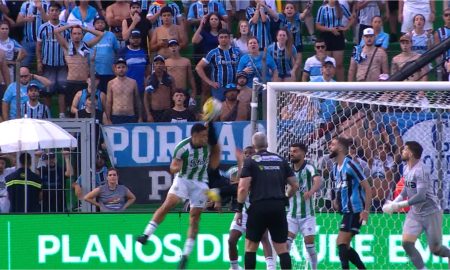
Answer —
273 88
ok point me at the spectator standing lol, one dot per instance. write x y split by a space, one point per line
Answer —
123 104
137 21
53 178
242 36
50 54
167 31
367 10
329 23
313 65
223 62
259 15
33 13
4 171
158 93
441 34
117 12
9 109
381 38
76 55
232 108
410 8
201 8
16 186
407 56
5 78
10 47
81 97
422 40
252 64
111 197
206 37
179 113
369 61
33 108
154 13
83 15
245 93
105 51
285 55
181 68
137 60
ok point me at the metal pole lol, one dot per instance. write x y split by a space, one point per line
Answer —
254 105
92 147
439 167
18 94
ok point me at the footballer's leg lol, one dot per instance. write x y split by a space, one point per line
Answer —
433 231
412 228
308 229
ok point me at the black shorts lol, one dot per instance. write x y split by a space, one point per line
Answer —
334 43
350 223
72 87
123 119
393 5
268 214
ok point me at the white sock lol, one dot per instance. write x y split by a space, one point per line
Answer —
289 243
151 227
311 249
234 265
270 263
188 246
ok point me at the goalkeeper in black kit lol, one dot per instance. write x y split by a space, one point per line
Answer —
425 214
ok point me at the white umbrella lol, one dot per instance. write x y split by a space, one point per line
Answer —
27 134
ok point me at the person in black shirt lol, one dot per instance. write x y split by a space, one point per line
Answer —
137 21
179 113
18 188
265 176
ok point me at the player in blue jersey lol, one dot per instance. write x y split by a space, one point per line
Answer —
353 199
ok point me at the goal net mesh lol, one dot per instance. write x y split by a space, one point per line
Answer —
379 123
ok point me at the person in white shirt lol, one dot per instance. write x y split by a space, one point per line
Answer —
410 8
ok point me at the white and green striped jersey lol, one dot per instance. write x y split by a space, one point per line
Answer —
298 206
195 160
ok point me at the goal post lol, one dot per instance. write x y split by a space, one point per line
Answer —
379 117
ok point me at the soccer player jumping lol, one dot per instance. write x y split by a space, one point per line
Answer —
425 213
191 159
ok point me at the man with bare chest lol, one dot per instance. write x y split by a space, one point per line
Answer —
245 92
158 93
405 57
123 104
181 68
165 32
117 12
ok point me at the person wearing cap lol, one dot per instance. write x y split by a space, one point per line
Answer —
328 72
245 92
81 97
381 38
83 14
117 12
158 93
181 68
105 52
313 65
405 57
223 62
123 103
154 13
33 108
75 54
179 113
50 55
167 31
136 21
368 62
9 109
31 16
137 60
232 108
53 175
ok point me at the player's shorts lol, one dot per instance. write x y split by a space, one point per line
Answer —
267 215
350 223
191 190
243 227
431 224
408 18
306 226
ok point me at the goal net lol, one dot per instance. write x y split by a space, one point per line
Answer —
379 117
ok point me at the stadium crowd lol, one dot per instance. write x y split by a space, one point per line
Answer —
159 61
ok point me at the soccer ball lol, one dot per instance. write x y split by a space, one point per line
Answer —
211 109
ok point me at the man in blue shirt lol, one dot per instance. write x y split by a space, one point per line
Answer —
9 104
105 52
353 198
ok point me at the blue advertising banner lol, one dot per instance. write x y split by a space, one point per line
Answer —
152 144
